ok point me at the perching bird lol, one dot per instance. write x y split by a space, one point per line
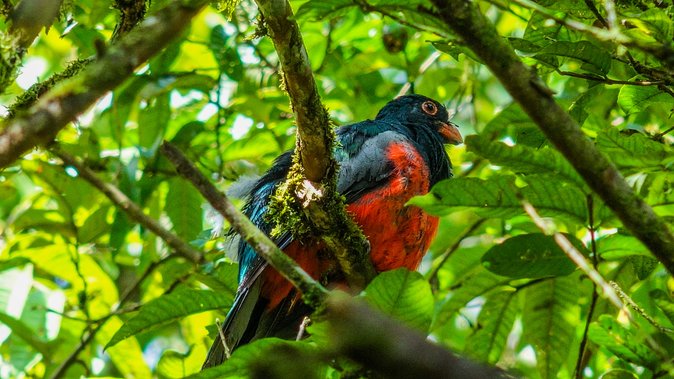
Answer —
383 163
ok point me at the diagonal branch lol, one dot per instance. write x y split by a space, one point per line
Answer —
321 208
127 205
59 106
536 99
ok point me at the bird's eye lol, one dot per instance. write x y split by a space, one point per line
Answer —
429 108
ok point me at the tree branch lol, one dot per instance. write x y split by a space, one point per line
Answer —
131 209
378 342
324 209
61 105
536 99
313 122
313 292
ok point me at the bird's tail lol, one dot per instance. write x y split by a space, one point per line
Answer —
250 319
237 323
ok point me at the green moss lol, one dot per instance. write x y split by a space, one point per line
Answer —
10 58
225 6
32 94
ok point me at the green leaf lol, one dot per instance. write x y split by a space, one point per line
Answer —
172 365
404 295
533 255
168 308
94 226
632 150
289 359
511 117
549 321
497 197
618 246
664 302
494 324
595 59
319 9
127 355
478 284
15 286
525 159
635 99
619 374
655 23
22 331
611 335
152 122
183 206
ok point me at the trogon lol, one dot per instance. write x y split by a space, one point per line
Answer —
383 163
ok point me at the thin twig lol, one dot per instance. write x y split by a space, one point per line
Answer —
582 350
131 209
643 83
576 256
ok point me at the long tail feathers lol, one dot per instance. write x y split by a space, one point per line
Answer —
236 325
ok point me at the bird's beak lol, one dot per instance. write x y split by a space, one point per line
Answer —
450 133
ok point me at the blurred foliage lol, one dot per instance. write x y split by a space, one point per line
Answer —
491 288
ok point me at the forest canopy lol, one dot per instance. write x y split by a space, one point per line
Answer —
554 256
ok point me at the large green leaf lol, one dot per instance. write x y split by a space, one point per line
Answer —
169 308
632 150
525 159
664 302
24 332
152 122
320 9
618 246
289 359
635 99
15 286
497 197
608 333
494 324
549 321
533 255
478 284
594 58
127 355
404 295
183 206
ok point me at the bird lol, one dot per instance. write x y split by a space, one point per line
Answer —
383 163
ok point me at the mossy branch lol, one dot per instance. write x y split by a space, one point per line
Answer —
536 99
308 200
63 104
312 292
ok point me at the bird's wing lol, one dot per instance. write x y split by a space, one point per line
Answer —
363 166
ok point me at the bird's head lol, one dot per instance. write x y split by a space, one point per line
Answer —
416 111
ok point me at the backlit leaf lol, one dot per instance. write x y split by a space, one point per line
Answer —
170 308
403 294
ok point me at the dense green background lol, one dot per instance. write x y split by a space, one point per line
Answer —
491 288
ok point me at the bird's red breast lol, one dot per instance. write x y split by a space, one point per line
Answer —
399 235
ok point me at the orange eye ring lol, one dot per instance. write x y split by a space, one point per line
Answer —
429 108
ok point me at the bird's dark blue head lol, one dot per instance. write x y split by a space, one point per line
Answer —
421 115
426 122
